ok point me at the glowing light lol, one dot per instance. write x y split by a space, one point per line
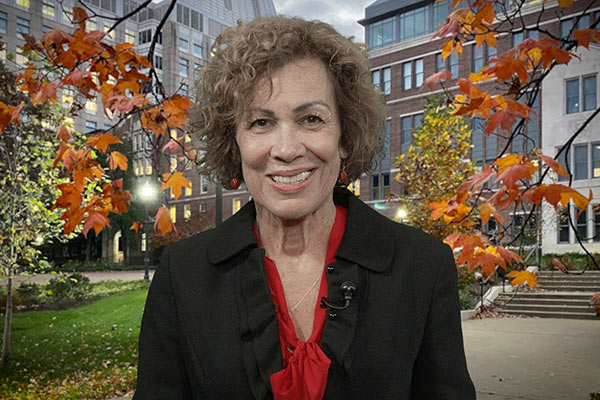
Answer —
401 213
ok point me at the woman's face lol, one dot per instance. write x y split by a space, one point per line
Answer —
289 140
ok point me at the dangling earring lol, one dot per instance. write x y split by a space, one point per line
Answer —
343 175
234 183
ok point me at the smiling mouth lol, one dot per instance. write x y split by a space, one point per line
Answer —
291 180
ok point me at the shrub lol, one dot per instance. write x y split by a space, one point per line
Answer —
29 293
73 287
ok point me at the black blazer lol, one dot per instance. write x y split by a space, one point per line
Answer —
209 329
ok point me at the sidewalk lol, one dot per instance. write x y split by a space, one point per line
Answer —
533 358
94 277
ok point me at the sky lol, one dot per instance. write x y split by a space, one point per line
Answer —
342 14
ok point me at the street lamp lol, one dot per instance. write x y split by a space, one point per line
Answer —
147 193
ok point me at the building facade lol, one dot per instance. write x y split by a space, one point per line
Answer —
182 49
403 54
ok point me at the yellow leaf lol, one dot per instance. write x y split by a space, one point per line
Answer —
522 277
447 49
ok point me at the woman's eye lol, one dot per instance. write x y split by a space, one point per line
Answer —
259 123
313 119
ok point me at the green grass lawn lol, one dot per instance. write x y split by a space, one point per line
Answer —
84 352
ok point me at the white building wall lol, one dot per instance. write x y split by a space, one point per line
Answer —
557 128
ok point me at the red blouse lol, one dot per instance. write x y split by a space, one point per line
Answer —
306 366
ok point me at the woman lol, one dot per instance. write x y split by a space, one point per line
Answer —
306 292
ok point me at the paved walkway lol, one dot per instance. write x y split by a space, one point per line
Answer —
533 358
94 277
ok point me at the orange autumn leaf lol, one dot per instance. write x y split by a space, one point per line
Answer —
97 221
70 197
487 210
63 133
521 278
447 49
79 16
5 115
101 141
163 221
46 92
565 3
595 299
511 175
554 165
432 80
585 36
136 226
117 160
509 255
559 266
176 181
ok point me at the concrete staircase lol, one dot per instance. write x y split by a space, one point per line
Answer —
557 296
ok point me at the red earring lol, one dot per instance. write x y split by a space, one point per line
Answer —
234 183
343 175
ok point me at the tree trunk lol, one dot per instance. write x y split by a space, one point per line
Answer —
7 323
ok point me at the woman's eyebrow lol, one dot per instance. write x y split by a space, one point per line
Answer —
305 106
266 111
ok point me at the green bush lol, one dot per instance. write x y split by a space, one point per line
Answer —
573 261
73 287
28 293
87 266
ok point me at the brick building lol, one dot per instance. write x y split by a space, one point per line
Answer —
403 54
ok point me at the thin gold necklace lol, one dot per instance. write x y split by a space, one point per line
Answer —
305 294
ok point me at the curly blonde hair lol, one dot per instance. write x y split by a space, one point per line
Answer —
244 54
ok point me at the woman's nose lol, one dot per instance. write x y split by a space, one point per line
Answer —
287 144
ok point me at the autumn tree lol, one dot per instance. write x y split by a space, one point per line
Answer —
29 185
433 167
503 94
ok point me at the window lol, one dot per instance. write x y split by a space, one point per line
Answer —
158 62
517 38
491 52
581 224
149 165
46 29
236 205
48 8
91 106
22 27
406 134
565 160
440 65
187 211
197 20
184 89
387 80
376 75
374 187
198 50
572 96
407 75
581 161
596 160
90 24
382 33
23 3
3 22
197 67
188 190
227 4
589 93
563 226
566 25
173 163
477 63
184 67
453 65
129 36
414 23
533 35
90 126
184 44
203 184
202 207
596 223
418 73
68 15
440 11
145 36
173 213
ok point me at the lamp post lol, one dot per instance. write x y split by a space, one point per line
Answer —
147 193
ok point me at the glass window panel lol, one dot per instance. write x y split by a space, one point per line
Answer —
533 35
477 139
582 224
183 67
454 65
420 22
406 134
477 58
387 80
418 72
565 27
48 8
407 75
565 160
581 161
22 27
376 75
440 65
183 42
90 126
584 22
198 49
563 226
440 11
589 93
23 3
386 185
596 160
533 127
385 162
573 96
517 38
597 224
418 118
492 52
374 187
3 22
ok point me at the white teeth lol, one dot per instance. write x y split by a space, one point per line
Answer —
293 180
